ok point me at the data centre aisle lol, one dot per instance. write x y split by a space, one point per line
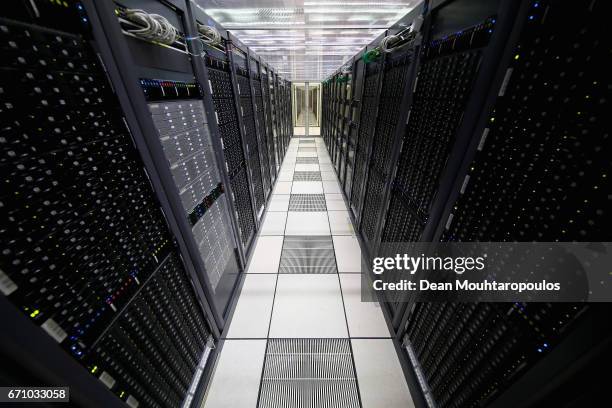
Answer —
300 335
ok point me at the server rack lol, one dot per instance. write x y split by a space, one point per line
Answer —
532 335
238 56
269 127
369 110
123 228
83 257
260 123
340 110
492 122
168 99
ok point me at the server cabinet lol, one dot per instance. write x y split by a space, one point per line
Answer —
513 176
177 130
353 121
372 73
246 119
86 238
260 123
269 128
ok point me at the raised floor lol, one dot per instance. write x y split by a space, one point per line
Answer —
300 335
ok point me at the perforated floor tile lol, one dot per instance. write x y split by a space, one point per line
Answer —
307 202
308 254
309 373
306 160
307 176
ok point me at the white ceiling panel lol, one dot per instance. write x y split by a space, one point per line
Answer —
306 40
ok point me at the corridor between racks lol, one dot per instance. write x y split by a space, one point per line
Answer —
300 335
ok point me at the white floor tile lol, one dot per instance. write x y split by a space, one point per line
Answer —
381 379
251 317
331 187
238 368
325 167
306 167
308 306
274 223
266 255
282 187
307 154
279 202
307 223
365 319
328 176
348 253
340 223
307 187
335 202
285 175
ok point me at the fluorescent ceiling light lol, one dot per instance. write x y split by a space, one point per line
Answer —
348 4
355 11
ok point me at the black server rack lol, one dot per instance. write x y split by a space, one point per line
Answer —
396 72
340 111
500 136
241 73
224 94
174 111
86 244
267 114
325 106
527 149
372 73
260 123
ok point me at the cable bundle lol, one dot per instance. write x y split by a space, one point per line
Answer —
406 37
156 27
209 35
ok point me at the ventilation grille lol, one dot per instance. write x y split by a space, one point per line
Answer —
306 143
309 255
307 202
307 176
306 149
308 373
307 160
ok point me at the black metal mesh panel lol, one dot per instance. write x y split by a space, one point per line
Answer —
268 124
242 201
366 130
444 83
226 116
263 142
307 202
393 87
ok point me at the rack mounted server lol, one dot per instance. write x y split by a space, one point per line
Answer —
488 125
133 190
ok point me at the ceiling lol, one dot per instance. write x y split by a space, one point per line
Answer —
306 40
